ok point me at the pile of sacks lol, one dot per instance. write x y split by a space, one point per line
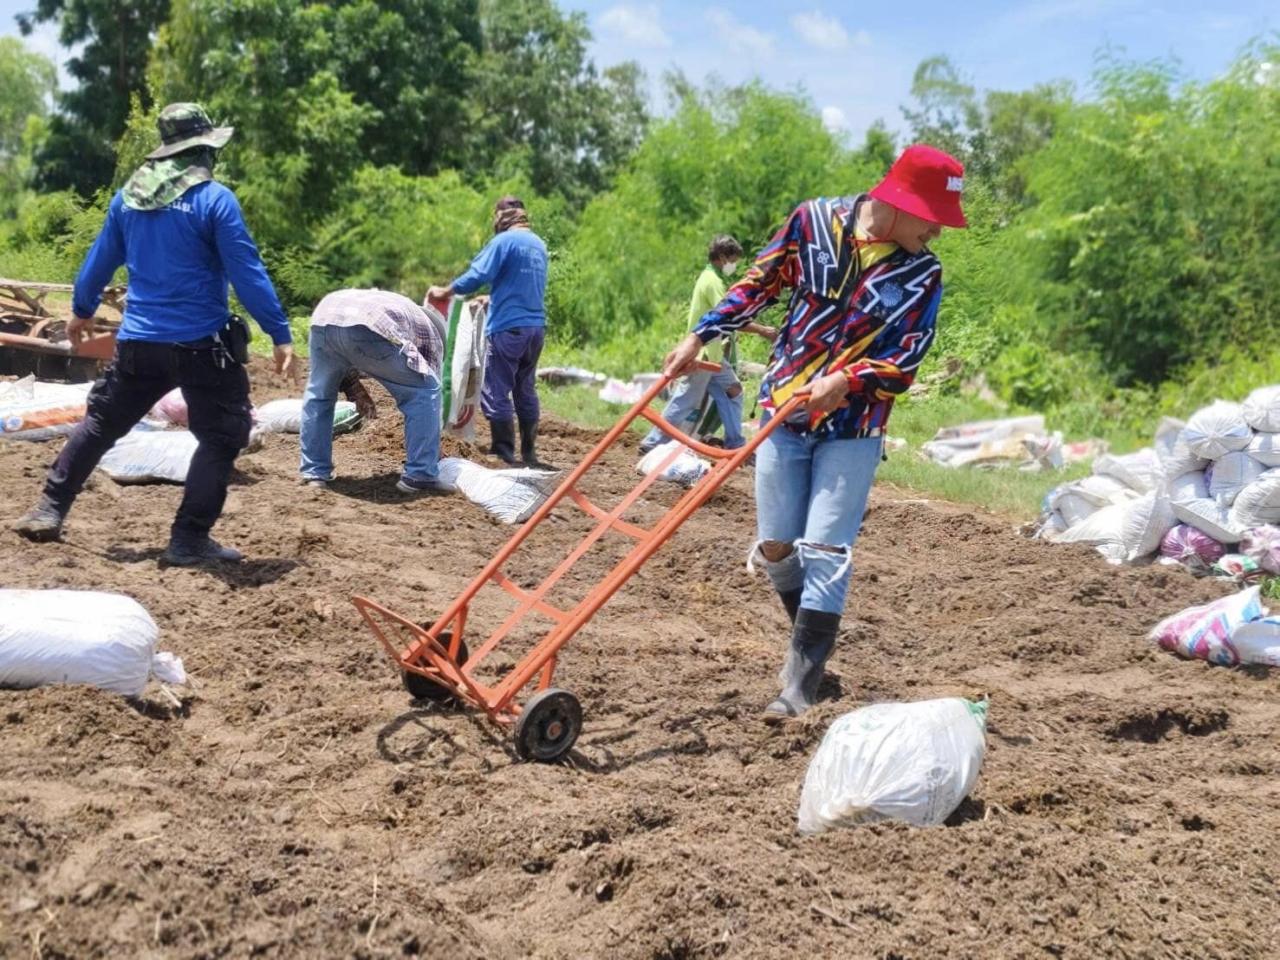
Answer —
1206 495
995 443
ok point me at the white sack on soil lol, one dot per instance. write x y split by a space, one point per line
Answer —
150 456
79 636
1082 498
285 416
510 495
1261 409
1208 516
1171 448
894 761
1206 632
684 468
31 409
1189 486
1218 429
1232 472
1140 470
1144 522
1265 448
1102 530
1258 503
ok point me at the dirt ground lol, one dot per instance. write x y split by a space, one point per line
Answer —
300 804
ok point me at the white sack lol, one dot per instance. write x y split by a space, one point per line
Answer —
1210 517
1265 448
1082 498
510 495
1258 504
1103 530
1144 522
685 469
1258 641
1217 429
32 409
150 456
1232 472
469 348
77 636
1261 409
1189 486
1172 450
1140 470
285 416
894 761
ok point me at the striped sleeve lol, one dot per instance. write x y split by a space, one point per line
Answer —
775 267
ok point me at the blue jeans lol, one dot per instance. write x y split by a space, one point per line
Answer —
334 351
682 409
812 494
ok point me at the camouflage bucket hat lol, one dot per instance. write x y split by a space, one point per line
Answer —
186 125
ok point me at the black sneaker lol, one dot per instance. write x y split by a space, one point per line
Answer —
41 523
433 488
184 553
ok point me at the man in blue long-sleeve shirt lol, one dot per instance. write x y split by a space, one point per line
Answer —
514 267
181 236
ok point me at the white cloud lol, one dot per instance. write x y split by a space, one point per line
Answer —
639 26
740 37
833 119
821 31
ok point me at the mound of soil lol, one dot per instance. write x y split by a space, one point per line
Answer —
299 804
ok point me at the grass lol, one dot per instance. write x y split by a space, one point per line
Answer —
1008 491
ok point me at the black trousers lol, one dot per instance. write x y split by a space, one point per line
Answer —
216 390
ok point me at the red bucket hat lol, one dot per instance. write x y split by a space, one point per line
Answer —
927 183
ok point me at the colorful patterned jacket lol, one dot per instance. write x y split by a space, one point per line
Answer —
879 338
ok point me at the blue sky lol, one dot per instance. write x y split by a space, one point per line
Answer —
856 60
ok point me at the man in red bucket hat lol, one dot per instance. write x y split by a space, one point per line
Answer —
863 303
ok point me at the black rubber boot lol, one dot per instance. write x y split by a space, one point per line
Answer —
813 638
503 445
41 523
528 443
791 602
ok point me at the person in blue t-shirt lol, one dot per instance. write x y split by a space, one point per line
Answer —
514 267
181 236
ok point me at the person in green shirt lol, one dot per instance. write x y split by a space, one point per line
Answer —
684 409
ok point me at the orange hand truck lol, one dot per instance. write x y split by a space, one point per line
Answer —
435 662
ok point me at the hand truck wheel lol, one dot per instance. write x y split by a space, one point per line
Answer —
424 688
548 726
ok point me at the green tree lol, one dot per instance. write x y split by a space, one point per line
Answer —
27 83
115 39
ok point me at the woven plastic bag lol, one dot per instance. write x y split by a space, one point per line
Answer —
1172 450
1262 545
1209 517
1192 548
1232 472
1258 504
150 456
1188 486
1217 429
1204 632
510 495
1261 409
1140 470
285 416
677 463
31 409
1265 448
913 762
80 636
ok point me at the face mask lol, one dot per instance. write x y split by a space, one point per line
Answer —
728 268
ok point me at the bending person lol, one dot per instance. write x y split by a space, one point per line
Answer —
861 316
391 339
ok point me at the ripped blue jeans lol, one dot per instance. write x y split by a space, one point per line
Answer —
811 494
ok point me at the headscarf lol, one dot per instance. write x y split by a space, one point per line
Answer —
157 183
509 212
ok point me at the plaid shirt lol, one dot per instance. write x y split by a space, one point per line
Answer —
878 341
391 316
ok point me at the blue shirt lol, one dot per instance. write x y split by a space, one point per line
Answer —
180 258
514 265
